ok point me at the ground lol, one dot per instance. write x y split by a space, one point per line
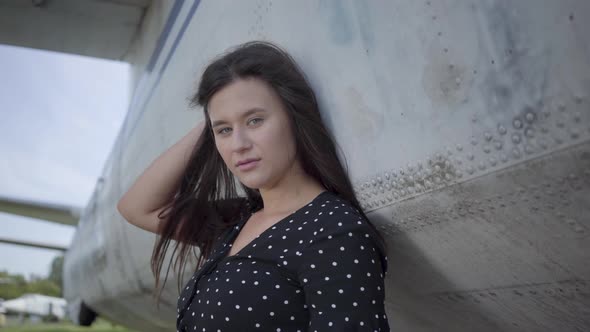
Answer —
100 325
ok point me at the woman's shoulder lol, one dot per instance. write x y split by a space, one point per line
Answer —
336 223
335 203
336 217
332 212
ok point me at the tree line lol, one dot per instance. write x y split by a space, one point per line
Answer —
15 285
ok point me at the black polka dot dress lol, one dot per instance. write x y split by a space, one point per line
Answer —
318 269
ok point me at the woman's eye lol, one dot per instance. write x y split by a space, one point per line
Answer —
254 120
221 131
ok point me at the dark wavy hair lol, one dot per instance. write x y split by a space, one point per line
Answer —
207 200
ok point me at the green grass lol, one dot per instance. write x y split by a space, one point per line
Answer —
100 325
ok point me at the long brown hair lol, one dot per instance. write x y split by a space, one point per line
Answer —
207 201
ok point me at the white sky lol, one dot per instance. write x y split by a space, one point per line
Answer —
59 117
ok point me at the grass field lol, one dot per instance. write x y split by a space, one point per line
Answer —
100 325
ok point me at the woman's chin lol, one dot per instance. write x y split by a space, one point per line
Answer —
251 183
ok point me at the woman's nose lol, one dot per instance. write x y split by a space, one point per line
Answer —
240 140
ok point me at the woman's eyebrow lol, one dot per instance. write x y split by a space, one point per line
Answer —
245 114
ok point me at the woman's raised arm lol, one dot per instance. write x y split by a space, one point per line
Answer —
147 197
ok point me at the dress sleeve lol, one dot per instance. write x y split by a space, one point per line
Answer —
342 275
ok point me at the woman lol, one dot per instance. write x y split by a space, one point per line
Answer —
294 252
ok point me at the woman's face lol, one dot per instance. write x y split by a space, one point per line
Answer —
249 121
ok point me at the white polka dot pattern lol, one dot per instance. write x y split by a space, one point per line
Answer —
318 269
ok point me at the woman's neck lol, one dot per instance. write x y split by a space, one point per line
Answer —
290 195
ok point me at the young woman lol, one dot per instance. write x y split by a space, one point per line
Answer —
294 251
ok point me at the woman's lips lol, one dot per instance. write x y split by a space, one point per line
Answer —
248 166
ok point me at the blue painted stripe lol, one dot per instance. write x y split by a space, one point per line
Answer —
164 34
180 34
139 88
187 20
172 16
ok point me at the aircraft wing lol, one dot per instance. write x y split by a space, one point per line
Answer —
62 214
97 28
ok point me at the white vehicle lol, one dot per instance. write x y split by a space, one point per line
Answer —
36 304
465 124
